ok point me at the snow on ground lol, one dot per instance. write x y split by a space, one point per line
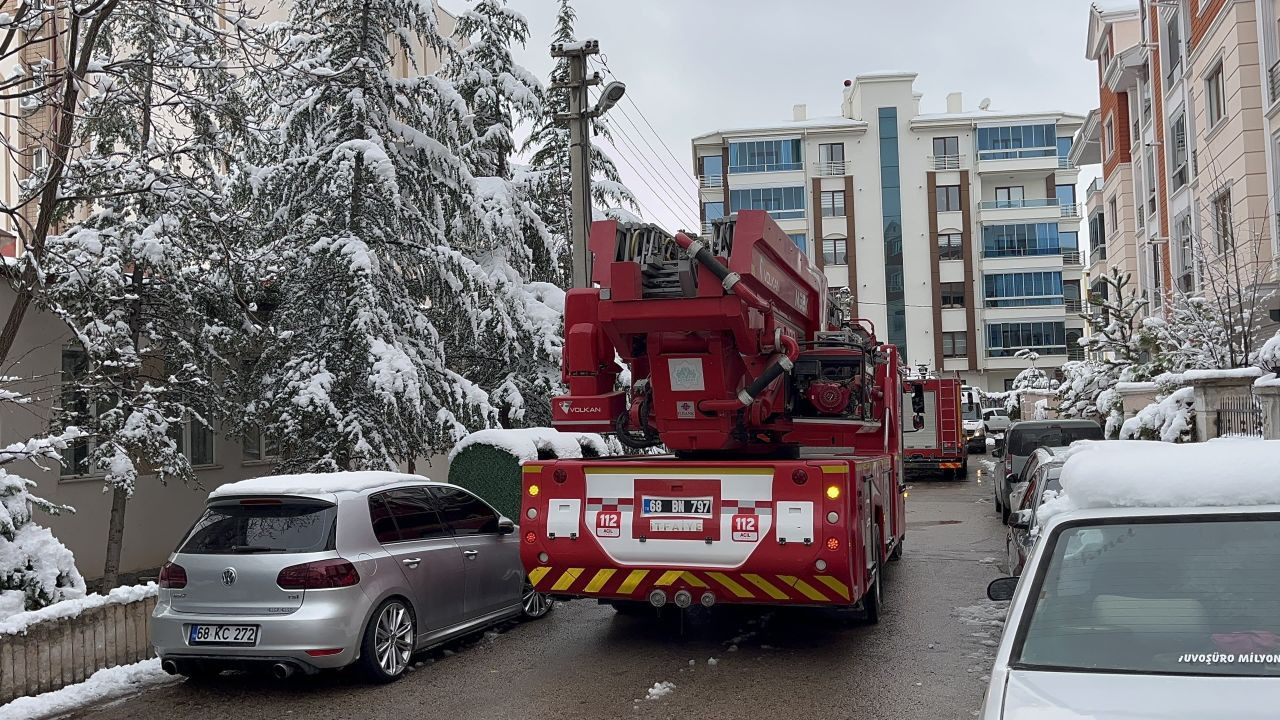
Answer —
102 686
660 690
315 483
1138 473
525 443
19 622
988 614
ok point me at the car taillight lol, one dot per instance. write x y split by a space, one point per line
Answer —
173 576
318 575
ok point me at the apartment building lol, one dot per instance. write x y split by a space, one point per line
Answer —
956 232
1189 174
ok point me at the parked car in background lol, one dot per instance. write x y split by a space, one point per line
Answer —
300 573
1151 612
995 420
1043 482
1022 440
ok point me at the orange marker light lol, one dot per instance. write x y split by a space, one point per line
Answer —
533 491
833 544
833 491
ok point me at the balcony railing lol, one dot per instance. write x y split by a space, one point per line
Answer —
948 162
1064 162
1273 81
829 169
1071 257
707 229
1095 186
1075 352
1073 305
1071 210
711 181
1018 203
1019 153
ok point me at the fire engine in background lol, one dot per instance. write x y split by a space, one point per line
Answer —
784 483
940 447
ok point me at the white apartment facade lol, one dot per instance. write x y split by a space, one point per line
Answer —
957 232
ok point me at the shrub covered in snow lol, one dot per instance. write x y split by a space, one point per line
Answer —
1269 355
1169 419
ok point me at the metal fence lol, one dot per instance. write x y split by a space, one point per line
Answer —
1239 416
59 652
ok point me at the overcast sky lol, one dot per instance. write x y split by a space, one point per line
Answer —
692 66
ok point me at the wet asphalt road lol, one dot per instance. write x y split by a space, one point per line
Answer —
584 661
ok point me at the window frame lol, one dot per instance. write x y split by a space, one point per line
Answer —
835 250
1215 93
948 297
949 338
953 246
1179 154
435 490
424 490
1223 223
827 202
947 193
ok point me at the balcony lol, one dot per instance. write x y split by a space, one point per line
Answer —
947 162
1273 82
1015 159
1076 353
834 168
1071 258
1018 203
1064 163
707 229
1073 305
711 181
1071 210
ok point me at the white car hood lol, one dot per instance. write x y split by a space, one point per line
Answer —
972 424
1036 695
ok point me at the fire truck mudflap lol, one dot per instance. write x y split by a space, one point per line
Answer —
802 532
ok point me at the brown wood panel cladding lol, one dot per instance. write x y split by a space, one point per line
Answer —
724 178
850 246
816 188
935 270
966 240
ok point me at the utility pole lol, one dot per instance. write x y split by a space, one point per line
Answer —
579 120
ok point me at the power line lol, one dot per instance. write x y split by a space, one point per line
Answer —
661 198
692 191
631 144
604 62
674 176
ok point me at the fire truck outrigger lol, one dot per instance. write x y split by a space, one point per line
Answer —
784 482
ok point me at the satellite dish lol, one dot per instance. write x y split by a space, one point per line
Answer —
986 103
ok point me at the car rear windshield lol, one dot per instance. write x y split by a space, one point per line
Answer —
1200 596
262 526
1026 440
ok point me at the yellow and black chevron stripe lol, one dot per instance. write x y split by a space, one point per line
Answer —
727 586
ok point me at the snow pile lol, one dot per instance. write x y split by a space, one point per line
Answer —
1135 473
1269 355
1170 419
526 443
660 690
315 483
988 614
20 622
101 686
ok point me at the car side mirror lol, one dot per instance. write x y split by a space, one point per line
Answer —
917 400
917 422
997 452
506 526
1020 520
1002 588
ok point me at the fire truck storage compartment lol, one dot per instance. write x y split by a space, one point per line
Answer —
926 437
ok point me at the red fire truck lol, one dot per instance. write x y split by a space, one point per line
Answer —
941 446
782 483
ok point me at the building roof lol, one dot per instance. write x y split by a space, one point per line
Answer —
992 116
829 122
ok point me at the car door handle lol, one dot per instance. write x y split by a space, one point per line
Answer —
470 554
412 562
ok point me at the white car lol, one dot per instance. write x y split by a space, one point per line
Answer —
996 420
1143 612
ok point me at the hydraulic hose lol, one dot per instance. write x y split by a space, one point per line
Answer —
702 255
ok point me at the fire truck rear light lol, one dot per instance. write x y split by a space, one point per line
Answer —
560 475
833 517
833 544
533 491
543 558
799 476
531 513
820 565
708 599
833 492
530 538
657 598
683 599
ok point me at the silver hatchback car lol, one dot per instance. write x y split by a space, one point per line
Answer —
301 573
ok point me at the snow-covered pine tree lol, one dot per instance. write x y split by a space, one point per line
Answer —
371 220
1192 338
35 568
1083 381
144 275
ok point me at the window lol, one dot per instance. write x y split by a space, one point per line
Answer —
955 344
1066 195
411 511
1020 240
951 246
1223 228
1178 151
1023 289
1215 97
1135 119
79 408
712 210
463 512
835 251
39 160
1009 197
831 154
801 241
1111 213
1068 240
952 294
1173 45
195 440
254 447
1150 162
946 147
1109 137
1185 262
228 527
712 168
1064 147
1097 237
781 202
765 156
832 203
1046 338
948 197
1019 141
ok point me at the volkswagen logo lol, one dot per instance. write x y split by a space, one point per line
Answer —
229 576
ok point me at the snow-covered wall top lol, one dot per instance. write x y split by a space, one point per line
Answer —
20 622
315 483
525 443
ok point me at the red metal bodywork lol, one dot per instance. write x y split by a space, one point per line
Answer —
734 514
944 449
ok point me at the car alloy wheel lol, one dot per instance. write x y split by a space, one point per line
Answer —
535 604
393 639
